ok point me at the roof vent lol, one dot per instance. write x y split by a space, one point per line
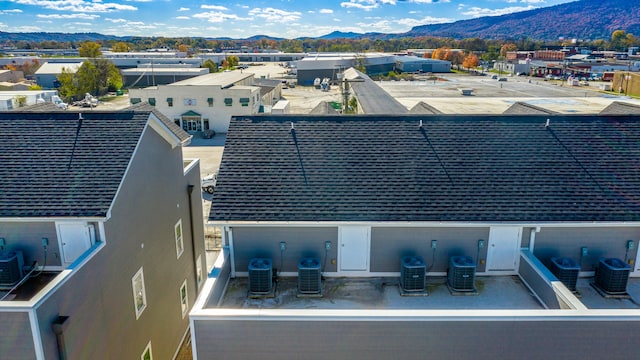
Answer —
547 124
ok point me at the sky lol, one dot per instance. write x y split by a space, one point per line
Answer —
241 19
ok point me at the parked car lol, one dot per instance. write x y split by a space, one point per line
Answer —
209 183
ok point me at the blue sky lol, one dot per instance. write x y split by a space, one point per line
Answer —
240 19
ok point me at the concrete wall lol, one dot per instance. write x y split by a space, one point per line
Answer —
389 245
602 242
27 237
252 242
98 297
16 339
418 338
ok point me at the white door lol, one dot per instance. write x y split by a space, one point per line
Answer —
75 239
354 248
502 253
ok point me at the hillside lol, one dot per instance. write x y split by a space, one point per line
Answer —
584 19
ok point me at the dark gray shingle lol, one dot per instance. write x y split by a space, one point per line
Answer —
51 165
456 168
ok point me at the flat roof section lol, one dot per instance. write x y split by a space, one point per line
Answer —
223 79
494 292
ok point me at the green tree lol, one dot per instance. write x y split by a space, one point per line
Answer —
21 101
213 67
120 47
90 49
67 80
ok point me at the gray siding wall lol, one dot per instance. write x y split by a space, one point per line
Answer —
431 339
98 298
27 237
390 244
602 242
16 340
252 242
539 278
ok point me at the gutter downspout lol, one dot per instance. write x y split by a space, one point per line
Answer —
193 240
58 326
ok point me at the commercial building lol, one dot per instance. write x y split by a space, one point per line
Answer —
47 74
205 102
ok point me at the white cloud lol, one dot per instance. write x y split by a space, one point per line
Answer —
27 28
326 11
68 16
184 9
135 0
116 20
10 11
479 12
365 5
76 5
275 15
424 21
533 1
217 16
213 7
183 18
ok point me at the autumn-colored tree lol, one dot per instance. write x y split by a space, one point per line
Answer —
443 53
506 48
230 62
470 61
183 48
89 49
120 47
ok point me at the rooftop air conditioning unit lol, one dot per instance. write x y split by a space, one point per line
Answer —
11 264
412 274
566 270
462 273
309 276
260 276
612 275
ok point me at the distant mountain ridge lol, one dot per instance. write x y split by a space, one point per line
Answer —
582 19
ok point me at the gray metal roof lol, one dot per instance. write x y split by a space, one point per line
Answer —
453 168
621 108
55 165
371 97
424 108
523 108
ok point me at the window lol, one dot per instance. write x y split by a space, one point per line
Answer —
199 270
152 101
178 235
228 101
184 301
135 100
170 102
244 101
206 124
210 102
146 354
139 294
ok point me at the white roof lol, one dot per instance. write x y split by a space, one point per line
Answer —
56 68
223 79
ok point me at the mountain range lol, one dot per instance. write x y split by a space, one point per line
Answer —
582 19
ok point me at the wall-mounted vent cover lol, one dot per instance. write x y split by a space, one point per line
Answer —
413 274
11 264
260 276
462 273
309 276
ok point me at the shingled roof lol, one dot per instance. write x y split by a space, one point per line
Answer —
54 165
453 168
